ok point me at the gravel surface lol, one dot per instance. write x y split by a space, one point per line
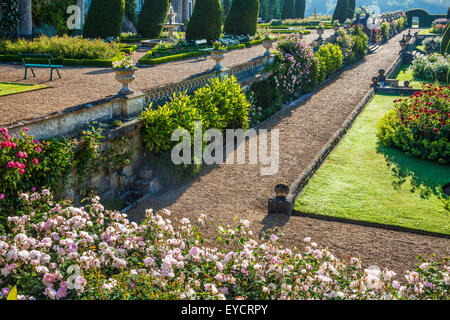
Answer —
224 192
81 85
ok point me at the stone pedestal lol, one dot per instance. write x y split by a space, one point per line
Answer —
132 105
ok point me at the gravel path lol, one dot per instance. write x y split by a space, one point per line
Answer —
81 85
224 192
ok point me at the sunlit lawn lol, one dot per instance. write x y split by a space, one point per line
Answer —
7 88
406 74
363 181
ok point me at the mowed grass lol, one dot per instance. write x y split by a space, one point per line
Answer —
406 74
7 88
362 180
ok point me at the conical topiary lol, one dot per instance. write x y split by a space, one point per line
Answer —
153 13
104 19
445 38
351 9
288 11
300 7
206 21
341 11
242 19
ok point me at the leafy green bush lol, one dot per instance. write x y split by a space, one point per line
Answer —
360 42
219 105
104 19
28 164
206 21
242 19
342 11
331 60
153 13
52 13
431 68
300 7
62 47
419 125
288 11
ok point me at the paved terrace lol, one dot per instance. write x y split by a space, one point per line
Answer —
80 85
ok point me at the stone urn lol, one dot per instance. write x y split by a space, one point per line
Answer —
320 32
347 25
125 77
335 28
267 44
217 56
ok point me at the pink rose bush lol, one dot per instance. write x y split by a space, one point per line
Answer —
58 251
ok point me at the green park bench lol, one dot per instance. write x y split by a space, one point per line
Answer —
48 65
203 42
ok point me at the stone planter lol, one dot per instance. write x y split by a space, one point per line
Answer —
347 26
125 77
267 44
320 32
335 28
217 56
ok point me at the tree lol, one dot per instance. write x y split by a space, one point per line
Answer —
153 13
300 7
26 24
288 9
206 21
226 6
352 8
341 11
242 19
104 19
445 38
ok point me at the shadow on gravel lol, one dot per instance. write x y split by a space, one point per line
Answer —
272 222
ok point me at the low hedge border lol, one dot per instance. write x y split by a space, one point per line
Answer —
287 31
147 59
65 62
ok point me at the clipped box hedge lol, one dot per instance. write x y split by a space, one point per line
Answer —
65 62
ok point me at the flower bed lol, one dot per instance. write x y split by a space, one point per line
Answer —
419 125
66 50
431 68
57 251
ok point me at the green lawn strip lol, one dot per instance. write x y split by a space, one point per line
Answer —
426 32
7 88
407 74
361 180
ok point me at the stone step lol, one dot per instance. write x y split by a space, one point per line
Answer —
143 186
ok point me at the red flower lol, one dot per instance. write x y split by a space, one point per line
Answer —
35 161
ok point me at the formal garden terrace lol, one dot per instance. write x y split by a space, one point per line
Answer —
353 109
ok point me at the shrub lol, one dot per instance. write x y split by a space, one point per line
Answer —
242 18
331 59
385 30
26 164
58 251
351 9
342 11
445 38
293 71
300 7
104 19
428 41
345 42
360 42
152 14
220 105
62 47
431 68
52 13
419 125
288 11
206 21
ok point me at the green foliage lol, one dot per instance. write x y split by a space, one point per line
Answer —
220 105
445 38
206 21
342 11
10 17
331 59
360 42
26 164
62 47
431 68
153 13
300 7
288 11
130 10
52 13
419 125
242 19
351 9
104 19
